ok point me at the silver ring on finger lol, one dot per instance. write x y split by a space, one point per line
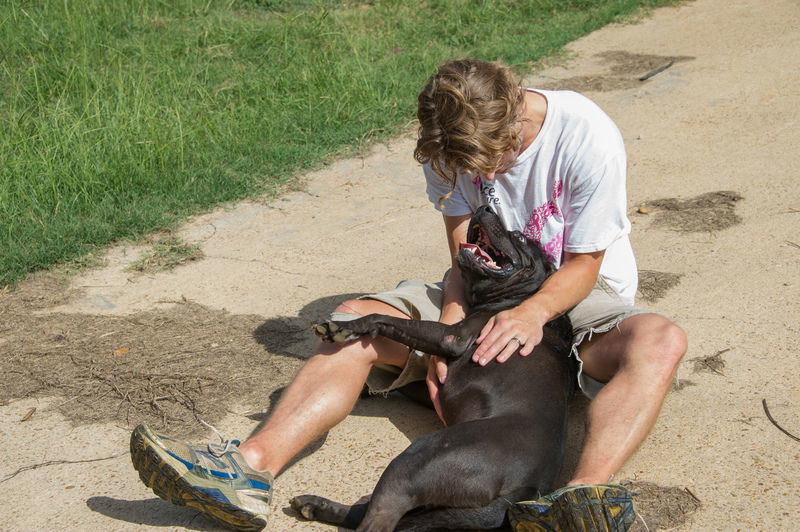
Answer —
515 339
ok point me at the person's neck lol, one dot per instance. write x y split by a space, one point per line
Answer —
534 114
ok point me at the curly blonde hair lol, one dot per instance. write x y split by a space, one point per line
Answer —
468 114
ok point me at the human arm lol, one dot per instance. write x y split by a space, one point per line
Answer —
569 285
454 306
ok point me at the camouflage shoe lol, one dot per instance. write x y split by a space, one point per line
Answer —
585 508
213 478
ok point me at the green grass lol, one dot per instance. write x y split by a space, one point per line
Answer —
166 253
120 118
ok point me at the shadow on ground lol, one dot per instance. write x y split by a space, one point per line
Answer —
151 512
292 336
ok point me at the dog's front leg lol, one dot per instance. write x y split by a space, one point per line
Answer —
429 337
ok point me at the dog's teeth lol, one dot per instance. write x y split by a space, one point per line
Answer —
320 330
332 326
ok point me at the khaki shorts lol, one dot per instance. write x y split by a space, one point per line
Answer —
601 311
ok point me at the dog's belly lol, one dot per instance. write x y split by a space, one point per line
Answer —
472 463
537 385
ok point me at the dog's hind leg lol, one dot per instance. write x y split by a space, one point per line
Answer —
491 516
316 508
387 508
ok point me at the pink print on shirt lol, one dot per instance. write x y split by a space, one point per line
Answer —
552 249
538 219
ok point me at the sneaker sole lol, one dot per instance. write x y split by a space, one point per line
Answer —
592 514
577 511
166 481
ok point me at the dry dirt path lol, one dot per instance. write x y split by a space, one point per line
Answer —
723 117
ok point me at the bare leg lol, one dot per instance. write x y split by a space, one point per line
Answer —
638 360
323 393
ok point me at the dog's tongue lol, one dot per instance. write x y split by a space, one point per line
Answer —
476 250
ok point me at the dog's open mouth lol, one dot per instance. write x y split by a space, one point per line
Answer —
482 249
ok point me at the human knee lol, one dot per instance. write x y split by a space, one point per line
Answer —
366 349
355 307
656 343
355 354
667 345
365 307
673 342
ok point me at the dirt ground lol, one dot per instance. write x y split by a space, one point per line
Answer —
86 358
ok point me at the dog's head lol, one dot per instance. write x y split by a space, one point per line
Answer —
500 268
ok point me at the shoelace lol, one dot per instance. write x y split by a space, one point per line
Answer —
228 443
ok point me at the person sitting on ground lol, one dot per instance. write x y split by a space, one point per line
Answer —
552 164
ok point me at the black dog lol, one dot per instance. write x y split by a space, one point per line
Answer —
506 423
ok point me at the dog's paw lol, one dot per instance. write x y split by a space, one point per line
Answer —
315 508
332 332
305 505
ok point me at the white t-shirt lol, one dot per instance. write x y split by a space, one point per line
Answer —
566 191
